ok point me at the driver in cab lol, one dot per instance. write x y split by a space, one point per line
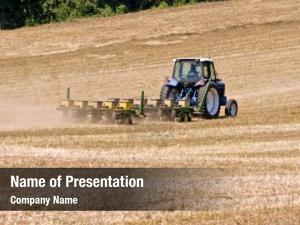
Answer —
193 74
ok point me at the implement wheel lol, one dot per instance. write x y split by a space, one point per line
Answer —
129 120
173 115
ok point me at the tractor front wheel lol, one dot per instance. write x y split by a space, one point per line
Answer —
231 108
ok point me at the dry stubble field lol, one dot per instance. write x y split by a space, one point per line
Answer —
256 47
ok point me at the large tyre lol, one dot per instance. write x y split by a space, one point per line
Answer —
212 103
168 92
231 108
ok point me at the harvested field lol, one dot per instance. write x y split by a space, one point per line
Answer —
256 48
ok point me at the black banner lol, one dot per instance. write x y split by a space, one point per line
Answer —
109 189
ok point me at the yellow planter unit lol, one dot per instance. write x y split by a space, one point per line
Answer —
184 103
81 104
67 103
110 104
169 103
95 104
125 105
153 103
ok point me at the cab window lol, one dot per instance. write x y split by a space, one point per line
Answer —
212 71
206 73
209 70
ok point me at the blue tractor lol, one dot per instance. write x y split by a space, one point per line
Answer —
196 80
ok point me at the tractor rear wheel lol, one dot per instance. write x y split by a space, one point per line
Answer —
164 92
167 92
212 103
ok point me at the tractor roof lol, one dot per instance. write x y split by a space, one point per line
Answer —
196 58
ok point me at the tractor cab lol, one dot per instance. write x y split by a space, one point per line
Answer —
191 70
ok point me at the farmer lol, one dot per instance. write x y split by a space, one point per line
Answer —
193 73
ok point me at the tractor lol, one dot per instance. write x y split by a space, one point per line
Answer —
195 80
194 89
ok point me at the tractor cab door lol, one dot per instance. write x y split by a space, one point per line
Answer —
209 70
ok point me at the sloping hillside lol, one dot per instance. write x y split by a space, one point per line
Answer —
256 47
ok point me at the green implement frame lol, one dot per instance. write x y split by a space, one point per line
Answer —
142 105
182 114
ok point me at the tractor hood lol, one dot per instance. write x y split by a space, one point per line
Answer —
173 82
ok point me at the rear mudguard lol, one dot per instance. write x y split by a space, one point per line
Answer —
221 89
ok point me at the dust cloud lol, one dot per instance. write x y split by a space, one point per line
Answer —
24 116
